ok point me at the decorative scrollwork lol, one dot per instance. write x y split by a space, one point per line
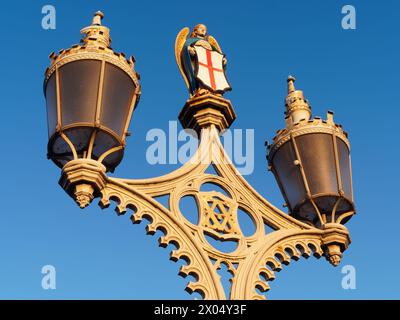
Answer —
260 254
208 113
278 249
197 263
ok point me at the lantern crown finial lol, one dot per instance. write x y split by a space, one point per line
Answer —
297 107
98 16
96 34
290 81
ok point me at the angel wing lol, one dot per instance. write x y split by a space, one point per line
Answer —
179 43
214 43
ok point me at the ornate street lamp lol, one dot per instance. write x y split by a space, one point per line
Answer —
91 92
310 159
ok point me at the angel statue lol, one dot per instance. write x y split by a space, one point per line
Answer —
201 62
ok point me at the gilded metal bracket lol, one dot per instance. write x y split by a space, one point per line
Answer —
256 258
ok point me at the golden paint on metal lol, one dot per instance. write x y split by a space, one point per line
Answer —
257 257
334 209
95 46
130 112
91 143
100 94
249 260
218 216
71 145
59 120
351 179
179 43
108 152
344 215
337 165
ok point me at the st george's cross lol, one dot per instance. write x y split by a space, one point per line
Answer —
210 69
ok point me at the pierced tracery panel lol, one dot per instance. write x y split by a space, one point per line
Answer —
218 198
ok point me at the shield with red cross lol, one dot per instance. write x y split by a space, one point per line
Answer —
210 69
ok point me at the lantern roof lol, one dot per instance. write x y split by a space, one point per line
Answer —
298 106
95 45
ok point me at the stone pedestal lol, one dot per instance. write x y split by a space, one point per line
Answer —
205 110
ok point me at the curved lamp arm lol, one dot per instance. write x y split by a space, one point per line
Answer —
259 254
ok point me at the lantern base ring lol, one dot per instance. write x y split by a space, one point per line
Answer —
335 240
83 179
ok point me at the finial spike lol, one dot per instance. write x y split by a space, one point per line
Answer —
290 81
98 16
297 107
96 34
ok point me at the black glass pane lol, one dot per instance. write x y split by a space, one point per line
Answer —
117 96
307 211
80 138
79 86
289 174
51 103
103 142
344 164
318 160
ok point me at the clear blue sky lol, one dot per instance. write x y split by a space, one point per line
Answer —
100 255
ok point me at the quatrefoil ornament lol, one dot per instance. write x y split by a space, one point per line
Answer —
218 216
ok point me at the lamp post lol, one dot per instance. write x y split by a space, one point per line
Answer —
91 92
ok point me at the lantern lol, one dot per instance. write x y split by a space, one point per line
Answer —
91 92
310 159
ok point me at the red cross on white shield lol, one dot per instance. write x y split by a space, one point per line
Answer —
210 69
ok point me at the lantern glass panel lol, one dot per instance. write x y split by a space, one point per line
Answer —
318 160
344 163
289 174
80 138
117 96
79 86
51 103
307 211
104 142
